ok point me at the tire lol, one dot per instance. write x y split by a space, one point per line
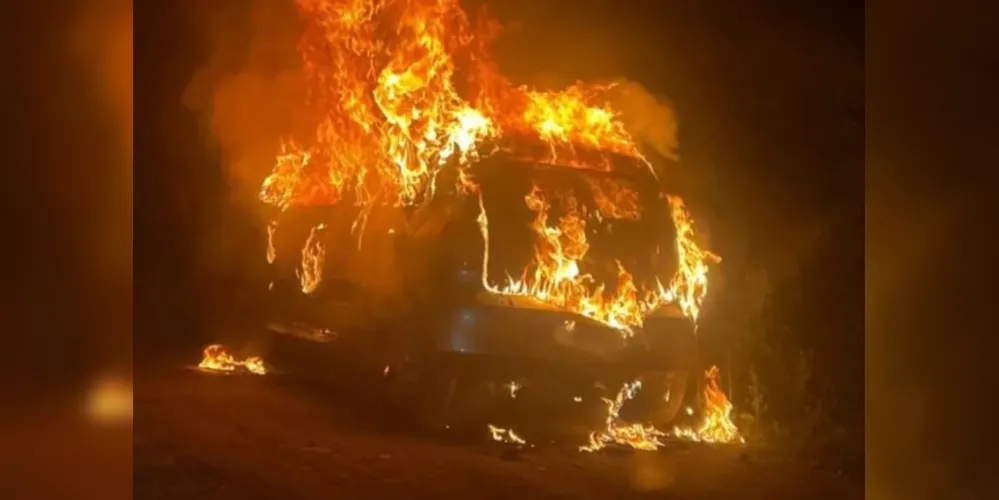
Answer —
675 384
663 411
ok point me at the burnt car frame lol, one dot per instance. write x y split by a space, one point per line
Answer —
402 298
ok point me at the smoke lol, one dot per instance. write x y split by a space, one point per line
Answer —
649 119
251 94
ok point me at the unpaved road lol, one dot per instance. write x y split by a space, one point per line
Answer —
208 436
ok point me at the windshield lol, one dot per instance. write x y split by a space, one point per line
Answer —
600 221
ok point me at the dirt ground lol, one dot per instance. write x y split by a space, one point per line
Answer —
209 436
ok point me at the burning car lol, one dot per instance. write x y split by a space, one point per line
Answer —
459 242
430 288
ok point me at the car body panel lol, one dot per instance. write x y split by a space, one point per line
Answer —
418 271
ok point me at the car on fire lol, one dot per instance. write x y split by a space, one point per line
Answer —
476 293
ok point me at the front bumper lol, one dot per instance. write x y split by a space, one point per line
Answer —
513 328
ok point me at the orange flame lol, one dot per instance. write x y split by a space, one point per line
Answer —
569 117
313 259
216 359
614 202
637 436
384 75
271 251
690 284
554 276
717 425
505 435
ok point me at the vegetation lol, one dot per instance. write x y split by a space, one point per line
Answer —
795 345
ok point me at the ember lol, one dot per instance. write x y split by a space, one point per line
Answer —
513 387
505 435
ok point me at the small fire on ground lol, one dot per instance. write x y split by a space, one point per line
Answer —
216 359
505 435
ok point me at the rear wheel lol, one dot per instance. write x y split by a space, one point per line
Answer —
669 398
665 396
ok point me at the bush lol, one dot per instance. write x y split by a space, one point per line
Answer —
780 402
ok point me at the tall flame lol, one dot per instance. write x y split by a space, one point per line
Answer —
384 75
690 284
